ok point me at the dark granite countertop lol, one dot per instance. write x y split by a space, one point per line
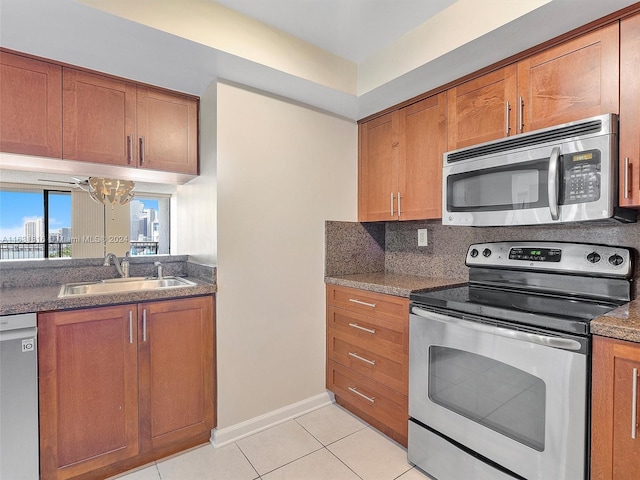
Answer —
396 284
42 298
622 323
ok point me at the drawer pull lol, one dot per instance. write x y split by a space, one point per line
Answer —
370 399
634 404
366 360
368 330
360 302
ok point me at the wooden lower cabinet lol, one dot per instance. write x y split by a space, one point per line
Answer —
121 386
615 453
367 357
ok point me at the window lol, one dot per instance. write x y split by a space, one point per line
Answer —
34 224
149 225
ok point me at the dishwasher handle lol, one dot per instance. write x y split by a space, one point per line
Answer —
18 334
544 340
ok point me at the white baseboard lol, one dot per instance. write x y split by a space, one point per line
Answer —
224 436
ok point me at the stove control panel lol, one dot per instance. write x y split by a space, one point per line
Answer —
557 257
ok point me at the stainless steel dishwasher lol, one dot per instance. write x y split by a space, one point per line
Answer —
19 457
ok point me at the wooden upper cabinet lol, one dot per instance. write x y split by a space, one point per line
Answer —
112 121
630 112
574 80
424 140
88 373
167 131
615 453
379 148
177 387
99 118
30 106
400 163
482 109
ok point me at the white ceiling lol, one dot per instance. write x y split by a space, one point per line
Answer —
352 29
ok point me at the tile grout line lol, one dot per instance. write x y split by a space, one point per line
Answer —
335 441
247 458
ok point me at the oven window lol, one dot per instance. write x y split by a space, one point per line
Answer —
503 188
491 393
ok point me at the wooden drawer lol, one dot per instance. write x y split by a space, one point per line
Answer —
386 367
382 334
376 305
379 401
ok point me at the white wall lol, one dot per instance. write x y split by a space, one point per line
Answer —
283 169
193 227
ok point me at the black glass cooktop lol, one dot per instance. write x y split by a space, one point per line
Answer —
562 313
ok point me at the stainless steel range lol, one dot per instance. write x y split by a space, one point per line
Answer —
499 369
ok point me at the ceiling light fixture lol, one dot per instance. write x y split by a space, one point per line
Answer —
111 191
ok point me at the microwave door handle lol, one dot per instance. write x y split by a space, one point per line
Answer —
553 183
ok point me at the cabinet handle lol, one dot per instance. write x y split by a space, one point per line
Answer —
627 165
399 209
360 302
634 404
142 149
144 324
507 119
521 115
130 326
368 330
362 359
392 204
129 148
355 390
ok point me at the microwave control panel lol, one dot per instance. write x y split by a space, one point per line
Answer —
581 175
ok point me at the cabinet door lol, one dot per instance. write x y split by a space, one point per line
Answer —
615 454
88 389
99 118
574 80
482 109
630 111
167 131
424 140
176 370
30 106
379 151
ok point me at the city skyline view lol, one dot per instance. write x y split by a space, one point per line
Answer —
17 208
22 222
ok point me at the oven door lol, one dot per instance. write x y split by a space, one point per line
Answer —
517 398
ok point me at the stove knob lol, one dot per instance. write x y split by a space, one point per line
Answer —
593 257
486 252
473 253
616 260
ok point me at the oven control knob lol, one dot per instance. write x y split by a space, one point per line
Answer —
593 257
616 259
486 252
473 253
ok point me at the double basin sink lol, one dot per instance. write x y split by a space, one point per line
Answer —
122 285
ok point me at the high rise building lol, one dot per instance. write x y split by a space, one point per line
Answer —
34 230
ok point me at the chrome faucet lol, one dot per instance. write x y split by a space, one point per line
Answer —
159 265
107 262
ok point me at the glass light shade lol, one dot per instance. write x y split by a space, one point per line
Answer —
111 191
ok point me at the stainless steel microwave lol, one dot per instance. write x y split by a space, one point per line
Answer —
567 173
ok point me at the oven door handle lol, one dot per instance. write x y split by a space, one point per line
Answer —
545 340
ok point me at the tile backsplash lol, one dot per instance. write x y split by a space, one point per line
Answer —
393 246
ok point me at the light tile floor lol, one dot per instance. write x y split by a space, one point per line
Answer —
328 443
